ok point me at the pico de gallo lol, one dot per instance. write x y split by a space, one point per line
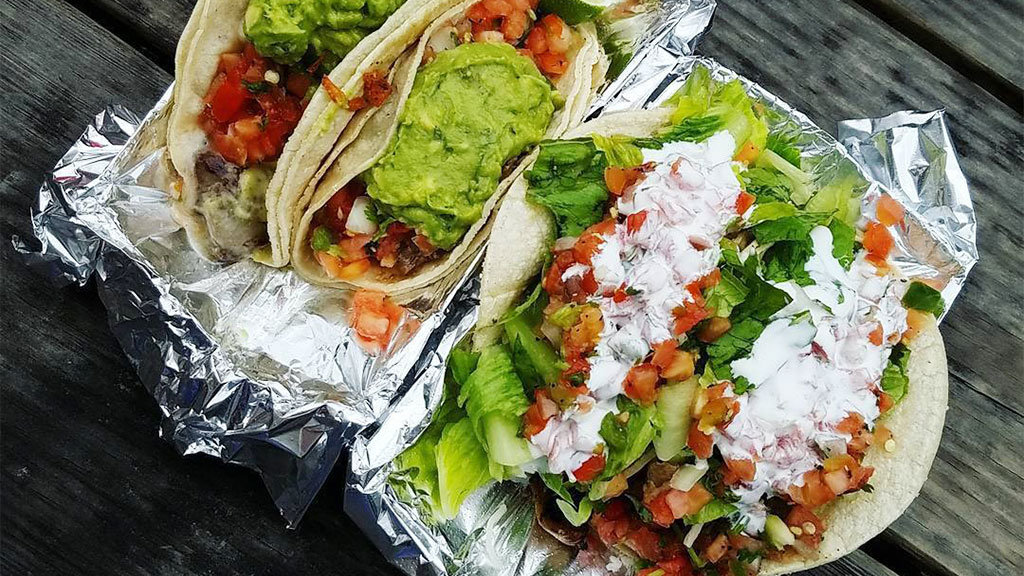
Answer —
257 97
705 360
430 186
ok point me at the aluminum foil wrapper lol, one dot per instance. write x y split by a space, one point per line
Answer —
909 155
250 364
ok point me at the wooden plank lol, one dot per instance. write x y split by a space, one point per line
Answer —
89 487
841 64
152 26
983 37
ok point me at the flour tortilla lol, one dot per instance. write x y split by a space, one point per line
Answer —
522 235
214 28
587 66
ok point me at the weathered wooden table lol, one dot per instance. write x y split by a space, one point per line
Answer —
89 488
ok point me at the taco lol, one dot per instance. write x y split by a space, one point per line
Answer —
264 89
412 195
700 349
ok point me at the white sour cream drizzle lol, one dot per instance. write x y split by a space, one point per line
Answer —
801 394
690 198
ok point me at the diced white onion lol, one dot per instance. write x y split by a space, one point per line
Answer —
358 222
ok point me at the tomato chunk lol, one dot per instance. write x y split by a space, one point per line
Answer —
877 240
590 468
641 383
888 211
374 318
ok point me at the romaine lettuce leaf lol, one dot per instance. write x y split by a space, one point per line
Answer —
923 297
619 150
493 398
894 377
728 103
767 184
462 466
842 242
626 441
713 510
721 298
568 179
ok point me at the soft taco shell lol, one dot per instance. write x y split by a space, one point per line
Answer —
214 28
523 233
577 86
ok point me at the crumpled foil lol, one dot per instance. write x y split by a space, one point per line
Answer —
258 368
248 364
909 155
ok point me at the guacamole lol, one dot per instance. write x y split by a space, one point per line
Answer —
286 30
471 109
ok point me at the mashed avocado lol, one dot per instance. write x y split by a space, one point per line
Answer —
470 111
284 30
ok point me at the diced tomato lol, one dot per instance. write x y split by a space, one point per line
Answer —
889 211
678 566
342 270
744 201
374 317
747 154
357 103
876 336
376 87
645 542
590 468
354 247
877 240
660 511
336 211
589 283
537 415
801 517
619 179
620 295
713 329
687 316
815 491
552 64
701 443
298 84
634 222
641 382
590 241
227 98
424 244
852 424
585 332
558 39
715 549
885 402
537 41
710 279
673 364
744 470
231 147
717 413
688 502
916 322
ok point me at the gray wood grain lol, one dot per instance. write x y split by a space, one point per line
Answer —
841 64
988 32
89 487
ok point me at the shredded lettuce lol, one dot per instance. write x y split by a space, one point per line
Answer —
576 515
619 150
626 440
493 398
843 243
923 297
721 298
895 378
704 97
713 510
535 361
767 184
462 466
568 179
784 261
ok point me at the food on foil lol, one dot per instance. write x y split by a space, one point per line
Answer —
714 369
265 91
486 82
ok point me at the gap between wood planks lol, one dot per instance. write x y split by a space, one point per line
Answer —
124 31
918 32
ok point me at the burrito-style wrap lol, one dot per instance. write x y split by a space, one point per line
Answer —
263 91
413 194
698 348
